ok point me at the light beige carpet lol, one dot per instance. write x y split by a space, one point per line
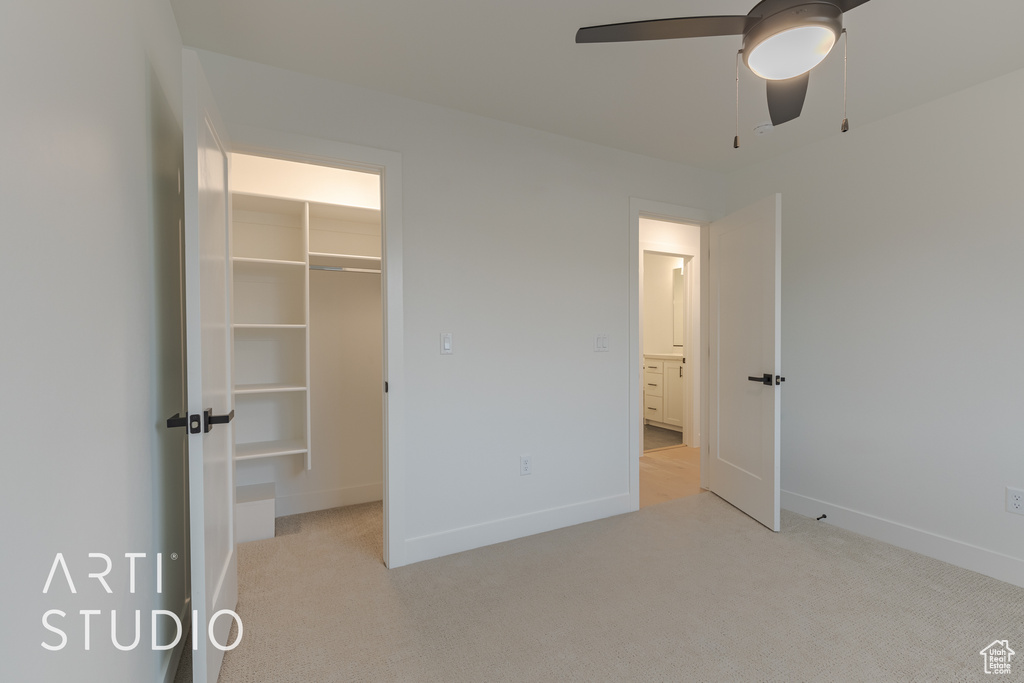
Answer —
689 590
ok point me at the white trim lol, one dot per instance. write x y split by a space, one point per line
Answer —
959 553
705 355
664 425
668 212
388 164
510 528
311 501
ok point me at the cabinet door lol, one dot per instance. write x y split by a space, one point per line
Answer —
672 412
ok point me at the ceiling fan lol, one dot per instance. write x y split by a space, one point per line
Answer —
782 41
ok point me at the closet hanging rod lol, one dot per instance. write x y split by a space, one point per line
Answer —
338 269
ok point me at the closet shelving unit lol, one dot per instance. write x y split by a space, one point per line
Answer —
275 243
271 327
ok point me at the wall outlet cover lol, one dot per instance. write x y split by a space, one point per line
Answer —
1015 500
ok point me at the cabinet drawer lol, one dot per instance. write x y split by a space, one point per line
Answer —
652 408
652 384
654 366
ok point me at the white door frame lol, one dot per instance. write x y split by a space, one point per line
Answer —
388 165
678 214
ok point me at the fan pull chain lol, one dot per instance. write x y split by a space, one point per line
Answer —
846 48
736 140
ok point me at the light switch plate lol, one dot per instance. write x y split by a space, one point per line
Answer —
446 344
601 343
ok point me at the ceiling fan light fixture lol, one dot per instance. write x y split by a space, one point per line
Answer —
790 43
791 53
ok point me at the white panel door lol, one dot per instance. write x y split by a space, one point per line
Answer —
211 470
745 367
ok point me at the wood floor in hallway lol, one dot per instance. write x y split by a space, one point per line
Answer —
669 473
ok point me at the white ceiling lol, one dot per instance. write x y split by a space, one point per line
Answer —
516 60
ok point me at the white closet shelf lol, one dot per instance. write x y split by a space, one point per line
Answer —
269 449
325 254
267 261
321 258
267 388
268 326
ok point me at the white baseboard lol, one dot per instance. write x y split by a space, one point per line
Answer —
987 562
478 535
324 500
664 425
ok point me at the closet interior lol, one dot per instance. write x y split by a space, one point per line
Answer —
307 331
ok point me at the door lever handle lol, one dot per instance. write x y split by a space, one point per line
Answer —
209 419
179 420
768 380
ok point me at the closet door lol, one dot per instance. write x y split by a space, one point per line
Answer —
214 577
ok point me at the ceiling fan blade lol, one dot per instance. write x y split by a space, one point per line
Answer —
662 29
786 98
847 5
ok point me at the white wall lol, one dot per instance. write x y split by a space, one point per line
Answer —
901 345
91 361
307 182
516 242
659 303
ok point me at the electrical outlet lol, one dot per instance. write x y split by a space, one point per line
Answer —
525 466
1015 501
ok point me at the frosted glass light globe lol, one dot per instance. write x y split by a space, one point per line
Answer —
792 52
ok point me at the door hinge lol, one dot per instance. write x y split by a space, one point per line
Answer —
385 387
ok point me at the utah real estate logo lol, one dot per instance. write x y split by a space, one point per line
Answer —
997 657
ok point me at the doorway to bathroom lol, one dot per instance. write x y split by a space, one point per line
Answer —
669 329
